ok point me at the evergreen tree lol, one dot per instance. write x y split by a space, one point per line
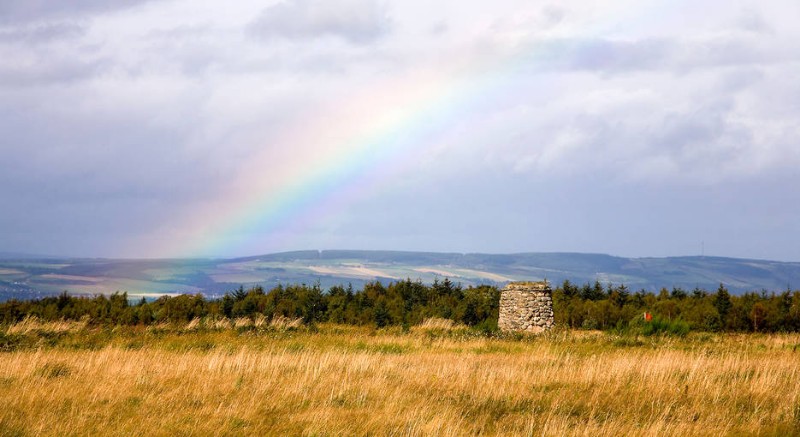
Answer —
722 302
381 314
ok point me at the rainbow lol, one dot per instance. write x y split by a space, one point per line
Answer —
319 168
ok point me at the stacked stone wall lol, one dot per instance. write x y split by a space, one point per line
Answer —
526 306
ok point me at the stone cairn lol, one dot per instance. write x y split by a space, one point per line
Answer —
526 306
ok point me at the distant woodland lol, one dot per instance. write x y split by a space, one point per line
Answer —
406 303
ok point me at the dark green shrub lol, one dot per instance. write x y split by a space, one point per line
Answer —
661 326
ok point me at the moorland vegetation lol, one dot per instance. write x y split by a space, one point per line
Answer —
436 378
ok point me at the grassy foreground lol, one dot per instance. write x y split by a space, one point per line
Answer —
70 379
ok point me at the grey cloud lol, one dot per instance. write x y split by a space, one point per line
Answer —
553 15
600 54
721 52
54 154
752 21
356 21
695 145
603 54
619 56
182 32
20 11
703 138
86 173
439 28
687 129
740 79
42 70
42 33
682 132
193 53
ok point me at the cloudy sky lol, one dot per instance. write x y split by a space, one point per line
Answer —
161 128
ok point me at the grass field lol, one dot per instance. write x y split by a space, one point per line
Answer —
71 379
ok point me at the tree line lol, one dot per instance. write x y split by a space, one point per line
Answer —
593 306
398 303
406 303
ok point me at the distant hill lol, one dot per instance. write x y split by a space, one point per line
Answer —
26 277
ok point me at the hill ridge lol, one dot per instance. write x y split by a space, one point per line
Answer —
30 277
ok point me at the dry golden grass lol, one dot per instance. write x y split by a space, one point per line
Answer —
436 323
33 324
282 323
353 381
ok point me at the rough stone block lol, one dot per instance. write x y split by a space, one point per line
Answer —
526 306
